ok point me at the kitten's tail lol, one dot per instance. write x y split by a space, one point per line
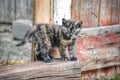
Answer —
23 40
21 43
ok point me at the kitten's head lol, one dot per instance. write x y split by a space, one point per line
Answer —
67 27
72 28
71 24
67 23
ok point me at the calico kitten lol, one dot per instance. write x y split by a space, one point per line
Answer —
47 36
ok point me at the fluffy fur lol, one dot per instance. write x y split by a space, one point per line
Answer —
47 36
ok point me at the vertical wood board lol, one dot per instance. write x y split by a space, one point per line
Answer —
51 11
89 13
11 10
114 15
24 9
118 11
7 11
75 9
42 11
62 9
105 12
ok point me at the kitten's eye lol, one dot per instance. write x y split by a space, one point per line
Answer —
68 30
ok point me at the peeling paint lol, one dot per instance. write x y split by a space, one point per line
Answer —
62 9
101 50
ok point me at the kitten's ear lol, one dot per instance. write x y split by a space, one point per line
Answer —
63 19
79 24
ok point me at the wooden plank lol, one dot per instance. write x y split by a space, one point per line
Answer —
118 69
118 11
105 12
114 16
51 11
75 9
1 12
107 73
58 70
89 12
24 9
29 10
15 9
20 9
42 11
97 44
7 11
4 2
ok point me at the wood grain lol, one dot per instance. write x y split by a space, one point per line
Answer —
114 14
76 9
89 13
58 70
105 12
7 11
11 10
118 11
24 9
42 11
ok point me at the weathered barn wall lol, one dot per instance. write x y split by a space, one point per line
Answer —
11 10
23 9
7 11
92 12
96 13
99 45
106 73
87 11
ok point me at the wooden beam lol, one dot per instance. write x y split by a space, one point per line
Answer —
58 70
41 11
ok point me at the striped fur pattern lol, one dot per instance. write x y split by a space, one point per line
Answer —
48 36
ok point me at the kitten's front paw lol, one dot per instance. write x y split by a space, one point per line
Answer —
64 58
48 60
73 59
